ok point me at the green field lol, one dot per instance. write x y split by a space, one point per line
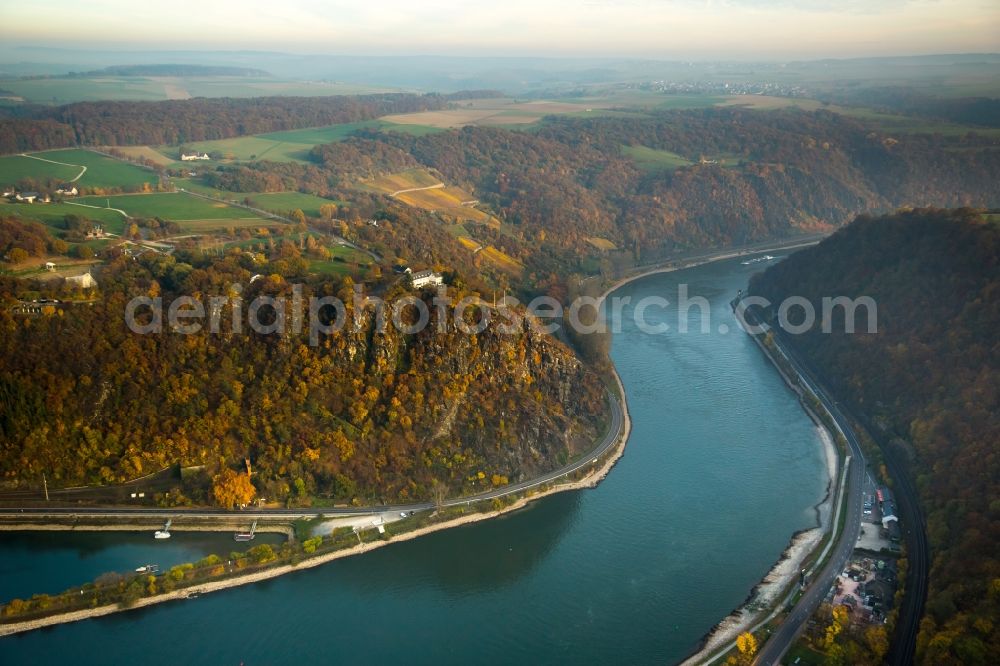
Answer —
52 215
344 261
650 159
285 202
275 202
66 90
178 207
15 167
245 148
291 145
101 171
193 185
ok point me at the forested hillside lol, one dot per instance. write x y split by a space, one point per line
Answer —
764 174
180 121
364 414
737 177
928 380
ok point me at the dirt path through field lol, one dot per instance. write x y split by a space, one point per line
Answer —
42 159
417 189
117 210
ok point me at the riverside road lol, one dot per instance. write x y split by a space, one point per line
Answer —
616 425
785 635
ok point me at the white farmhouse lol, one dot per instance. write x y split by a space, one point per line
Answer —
423 279
194 156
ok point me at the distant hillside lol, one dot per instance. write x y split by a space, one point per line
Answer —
928 380
749 176
189 120
173 70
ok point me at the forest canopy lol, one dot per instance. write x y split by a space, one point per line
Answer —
928 379
362 414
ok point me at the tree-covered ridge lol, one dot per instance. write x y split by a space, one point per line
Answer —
928 379
362 414
200 119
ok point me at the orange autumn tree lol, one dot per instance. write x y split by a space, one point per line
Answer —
232 489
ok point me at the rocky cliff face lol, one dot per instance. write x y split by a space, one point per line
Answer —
365 413
517 403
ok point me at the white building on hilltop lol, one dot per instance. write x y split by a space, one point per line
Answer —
85 281
194 156
423 279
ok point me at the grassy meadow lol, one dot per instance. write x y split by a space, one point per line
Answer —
52 215
289 145
102 172
283 203
15 167
279 203
653 160
344 260
193 214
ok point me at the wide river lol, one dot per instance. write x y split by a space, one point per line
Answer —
721 469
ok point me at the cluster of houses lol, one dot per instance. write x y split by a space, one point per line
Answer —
185 157
65 189
28 197
865 589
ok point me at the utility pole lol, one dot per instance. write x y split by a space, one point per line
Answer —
45 483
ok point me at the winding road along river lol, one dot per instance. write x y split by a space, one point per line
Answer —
721 468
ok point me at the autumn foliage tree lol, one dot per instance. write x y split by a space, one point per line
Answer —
231 489
746 649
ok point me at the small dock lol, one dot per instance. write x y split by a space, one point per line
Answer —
246 536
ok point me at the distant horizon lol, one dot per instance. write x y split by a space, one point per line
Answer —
605 57
646 29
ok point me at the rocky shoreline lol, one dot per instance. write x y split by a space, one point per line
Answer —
803 543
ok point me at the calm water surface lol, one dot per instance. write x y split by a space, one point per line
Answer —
722 467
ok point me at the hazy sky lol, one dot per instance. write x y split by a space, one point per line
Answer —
647 28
